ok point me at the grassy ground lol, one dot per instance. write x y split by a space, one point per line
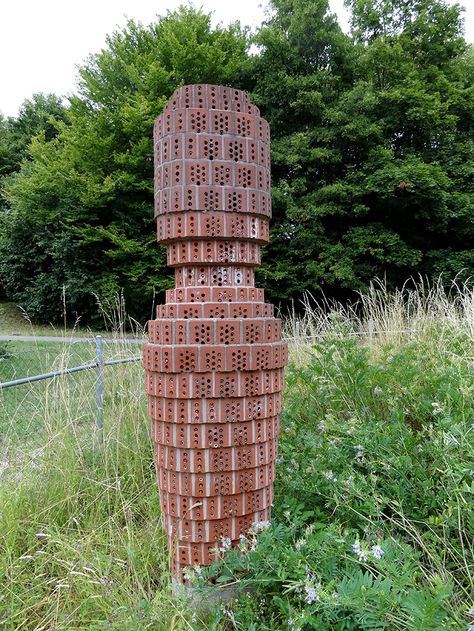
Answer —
13 321
21 415
373 516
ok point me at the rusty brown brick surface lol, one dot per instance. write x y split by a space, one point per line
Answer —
214 360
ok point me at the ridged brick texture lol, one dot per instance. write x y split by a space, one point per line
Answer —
214 360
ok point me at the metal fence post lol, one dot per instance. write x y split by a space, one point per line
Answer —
99 372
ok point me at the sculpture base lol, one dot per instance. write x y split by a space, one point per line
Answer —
204 598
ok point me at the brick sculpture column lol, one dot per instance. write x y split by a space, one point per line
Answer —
214 361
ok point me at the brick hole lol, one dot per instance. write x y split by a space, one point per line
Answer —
190 147
176 148
202 276
252 152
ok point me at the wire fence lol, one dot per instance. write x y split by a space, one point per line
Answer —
30 365
40 376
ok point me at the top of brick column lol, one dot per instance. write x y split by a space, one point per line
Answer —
212 97
212 168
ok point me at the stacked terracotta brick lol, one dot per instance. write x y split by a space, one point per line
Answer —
214 361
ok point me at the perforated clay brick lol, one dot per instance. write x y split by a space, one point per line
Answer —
214 360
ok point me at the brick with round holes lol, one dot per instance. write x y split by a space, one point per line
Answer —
213 529
219 483
214 276
208 252
192 311
202 460
216 507
220 358
215 294
177 199
214 331
214 385
215 435
202 410
222 225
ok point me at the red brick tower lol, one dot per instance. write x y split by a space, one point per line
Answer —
214 361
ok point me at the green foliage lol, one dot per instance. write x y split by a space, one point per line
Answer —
372 144
373 524
80 213
372 517
40 116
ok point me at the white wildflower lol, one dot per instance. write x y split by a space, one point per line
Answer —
188 574
311 594
377 552
261 525
378 391
437 409
329 475
362 555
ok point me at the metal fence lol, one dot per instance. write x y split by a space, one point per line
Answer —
22 360
32 359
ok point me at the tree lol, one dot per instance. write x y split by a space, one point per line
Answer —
372 143
40 115
372 154
83 206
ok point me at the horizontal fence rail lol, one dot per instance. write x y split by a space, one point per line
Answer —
99 353
100 363
66 371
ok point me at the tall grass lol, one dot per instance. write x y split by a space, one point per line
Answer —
380 316
81 543
376 449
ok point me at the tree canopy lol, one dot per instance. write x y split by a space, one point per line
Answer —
372 153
